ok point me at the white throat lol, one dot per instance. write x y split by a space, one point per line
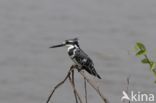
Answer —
71 47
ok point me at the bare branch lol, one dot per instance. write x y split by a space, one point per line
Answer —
76 92
128 83
94 86
59 84
73 82
85 86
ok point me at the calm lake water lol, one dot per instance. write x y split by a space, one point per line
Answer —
107 29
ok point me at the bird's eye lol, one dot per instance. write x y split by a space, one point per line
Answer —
67 42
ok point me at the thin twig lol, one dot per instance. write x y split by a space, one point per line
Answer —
147 59
85 86
58 85
127 89
73 82
78 95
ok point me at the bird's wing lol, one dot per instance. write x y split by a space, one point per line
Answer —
83 59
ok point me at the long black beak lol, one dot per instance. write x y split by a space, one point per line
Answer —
55 46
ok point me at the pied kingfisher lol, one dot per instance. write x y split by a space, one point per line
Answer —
80 58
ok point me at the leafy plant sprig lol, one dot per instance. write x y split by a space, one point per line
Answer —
142 51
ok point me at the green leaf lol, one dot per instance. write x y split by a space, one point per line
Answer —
154 72
152 66
136 48
140 46
145 61
142 52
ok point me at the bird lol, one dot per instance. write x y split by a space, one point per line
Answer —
78 56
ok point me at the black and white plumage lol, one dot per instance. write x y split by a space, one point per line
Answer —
78 56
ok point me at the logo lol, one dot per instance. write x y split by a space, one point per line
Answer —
125 96
137 97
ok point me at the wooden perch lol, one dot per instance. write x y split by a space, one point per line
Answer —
75 91
94 86
73 82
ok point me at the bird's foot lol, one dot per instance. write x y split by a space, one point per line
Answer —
79 69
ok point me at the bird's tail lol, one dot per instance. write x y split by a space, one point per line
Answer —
98 76
95 73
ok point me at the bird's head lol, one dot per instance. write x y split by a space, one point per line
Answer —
69 43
